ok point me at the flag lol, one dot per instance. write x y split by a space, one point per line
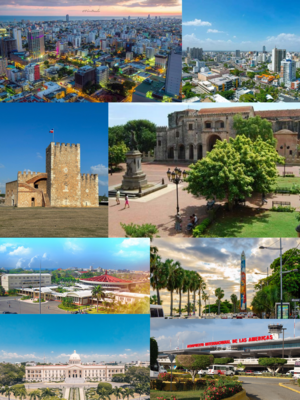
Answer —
51 131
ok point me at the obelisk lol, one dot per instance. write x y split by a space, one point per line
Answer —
243 296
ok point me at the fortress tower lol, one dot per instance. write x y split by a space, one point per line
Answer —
63 171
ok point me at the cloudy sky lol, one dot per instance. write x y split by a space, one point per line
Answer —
119 114
107 338
25 137
179 333
233 25
55 253
90 7
218 261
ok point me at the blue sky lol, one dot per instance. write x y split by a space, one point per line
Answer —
233 25
55 253
218 261
179 333
95 338
24 131
119 114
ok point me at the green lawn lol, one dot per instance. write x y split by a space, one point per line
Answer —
187 395
245 222
287 182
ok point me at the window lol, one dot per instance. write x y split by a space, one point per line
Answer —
207 125
153 312
36 186
191 127
291 152
222 124
159 142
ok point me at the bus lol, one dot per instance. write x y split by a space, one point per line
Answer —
297 370
156 311
218 370
156 369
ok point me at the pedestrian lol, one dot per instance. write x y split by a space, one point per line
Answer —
118 197
178 221
264 201
126 201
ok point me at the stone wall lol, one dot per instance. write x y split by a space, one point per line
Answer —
89 190
64 179
11 193
29 197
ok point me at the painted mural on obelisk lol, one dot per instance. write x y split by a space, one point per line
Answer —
243 283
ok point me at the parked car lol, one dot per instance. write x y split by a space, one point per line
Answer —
257 373
248 371
8 312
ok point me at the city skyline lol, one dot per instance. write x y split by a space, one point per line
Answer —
243 26
114 253
125 338
80 7
218 261
178 333
24 148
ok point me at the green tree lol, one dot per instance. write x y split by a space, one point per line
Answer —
187 289
205 297
254 127
35 395
234 301
194 362
234 170
272 363
2 291
171 285
47 392
104 385
117 392
98 293
219 293
180 277
117 154
103 394
228 94
223 360
153 351
67 302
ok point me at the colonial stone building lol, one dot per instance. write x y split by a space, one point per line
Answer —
190 134
61 186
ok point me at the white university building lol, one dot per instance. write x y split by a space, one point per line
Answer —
73 372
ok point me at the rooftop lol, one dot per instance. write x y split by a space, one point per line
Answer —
105 278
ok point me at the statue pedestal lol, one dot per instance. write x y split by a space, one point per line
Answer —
134 177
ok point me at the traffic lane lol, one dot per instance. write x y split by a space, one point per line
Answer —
268 389
13 305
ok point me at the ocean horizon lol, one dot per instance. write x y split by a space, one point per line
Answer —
18 18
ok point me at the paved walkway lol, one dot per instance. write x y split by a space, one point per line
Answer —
159 208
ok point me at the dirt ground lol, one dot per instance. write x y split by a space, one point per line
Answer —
53 222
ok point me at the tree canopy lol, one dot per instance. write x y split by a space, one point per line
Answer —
253 128
153 351
234 170
194 362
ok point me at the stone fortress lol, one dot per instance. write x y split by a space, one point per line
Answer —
190 134
62 185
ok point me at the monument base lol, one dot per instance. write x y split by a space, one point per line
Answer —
134 177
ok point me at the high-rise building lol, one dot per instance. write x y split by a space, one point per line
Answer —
17 33
150 52
7 45
36 42
32 72
3 65
85 75
173 75
102 75
196 53
277 56
67 18
264 49
238 53
287 71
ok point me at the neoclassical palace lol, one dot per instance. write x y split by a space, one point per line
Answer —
74 371
190 134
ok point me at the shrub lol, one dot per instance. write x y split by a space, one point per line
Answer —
283 209
289 176
222 389
25 297
189 384
106 386
180 385
159 384
164 376
200 229
200 383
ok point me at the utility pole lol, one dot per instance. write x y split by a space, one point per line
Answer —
40 288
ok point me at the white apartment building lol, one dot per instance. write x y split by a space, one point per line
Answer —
17 33
15 281
287 71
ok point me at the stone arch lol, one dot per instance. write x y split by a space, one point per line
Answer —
171 153
207 124
219 124
211 141
37 178
181 152
191 152
199 152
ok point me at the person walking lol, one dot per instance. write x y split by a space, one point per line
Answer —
118 197
126 201
178 221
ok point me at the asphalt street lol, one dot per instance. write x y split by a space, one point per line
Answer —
268 389
25 308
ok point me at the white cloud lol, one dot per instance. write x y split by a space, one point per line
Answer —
135 242
100 169
19 263
28 357
234 37
127 349
4 246
214 31
71 245
21 250
31 261
196 22
44 255
192 41
102 183
123 355
39 155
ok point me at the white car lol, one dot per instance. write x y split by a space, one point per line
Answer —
203 372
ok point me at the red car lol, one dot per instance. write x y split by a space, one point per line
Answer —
249 372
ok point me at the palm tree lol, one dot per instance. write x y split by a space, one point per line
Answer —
8 392
194 287
103 394
21 393
98 292
117 392
171 267
46 392
158 278
153 299
205 297
201 287
127 393
234 301
187 287
219 293
35 394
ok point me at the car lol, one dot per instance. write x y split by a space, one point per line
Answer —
249 372
291 372
257 373
8 312
75 312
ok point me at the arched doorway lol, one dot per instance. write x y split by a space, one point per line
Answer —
181 152
212 141
32 202
199 152
171 153
191 152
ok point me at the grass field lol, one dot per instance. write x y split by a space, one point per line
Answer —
287 182
53 222
245 222
187 395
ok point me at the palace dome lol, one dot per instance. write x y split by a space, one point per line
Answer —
75 358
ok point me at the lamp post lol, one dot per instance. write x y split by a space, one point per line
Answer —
175 177
285 147
283 329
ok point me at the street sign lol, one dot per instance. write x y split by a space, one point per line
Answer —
295 299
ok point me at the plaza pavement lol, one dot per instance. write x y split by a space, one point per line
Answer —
159 208
21 307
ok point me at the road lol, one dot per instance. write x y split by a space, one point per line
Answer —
25 308
268 389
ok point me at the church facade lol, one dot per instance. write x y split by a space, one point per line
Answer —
62 185
190 134
72 372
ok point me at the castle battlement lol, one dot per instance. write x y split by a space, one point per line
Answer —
162 128
66 146
27 175
89 177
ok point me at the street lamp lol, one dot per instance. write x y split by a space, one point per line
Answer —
175 177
